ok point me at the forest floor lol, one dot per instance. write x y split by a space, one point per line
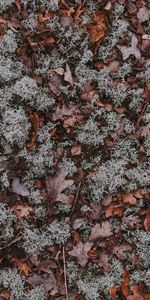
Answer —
75 148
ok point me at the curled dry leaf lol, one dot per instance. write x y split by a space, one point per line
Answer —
132 197
19 188
47 280
76 150
125 283
21 265
100 231
97 30
119 250
22 210
81 252
147 220
67 75
132 50
56 184
143 14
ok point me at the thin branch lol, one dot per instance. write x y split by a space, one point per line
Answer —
76 199
65 273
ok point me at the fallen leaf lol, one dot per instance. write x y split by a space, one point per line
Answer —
133 50
21 265
35 121
147 220
68 75
76 150
119 250
6 294
47 280
22 210
143 14
100 231
19 188
132 197
145 130
56 184
125 283
81 252
97 30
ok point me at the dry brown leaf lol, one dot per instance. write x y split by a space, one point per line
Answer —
147 220
22 210
19 188
56 184
133 50
119 250
76 150
143 14
132 197
21 265
35 121
67 75
100 231
125 283
97 30
47 280
81 252
6 294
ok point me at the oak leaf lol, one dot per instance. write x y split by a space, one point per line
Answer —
97 30
147 220
47 280
132 50
57 184
81 252
101 231
67 75
19 188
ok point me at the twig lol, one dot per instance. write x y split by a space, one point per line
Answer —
16 239
65 273
76 199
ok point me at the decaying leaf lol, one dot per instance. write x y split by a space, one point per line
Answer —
147 220
81 252
132 197
125 283
120 250
22 210
68 75
101 231
47 280
97 30
57 184
133 50
76 150
24 268
19 188
143 14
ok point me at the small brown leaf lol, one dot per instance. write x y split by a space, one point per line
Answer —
76 150
81 252
132 197
47 280
147 220
56 184
68 75
22 210
143 14
100 231
21 265
19 188
132 50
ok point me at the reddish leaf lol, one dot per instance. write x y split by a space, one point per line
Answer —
68 75
81 252
76 150
97 30
125 283
101 231
22 210
147 220
127 51
56 184
21 265
47 280
143 14
19 188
